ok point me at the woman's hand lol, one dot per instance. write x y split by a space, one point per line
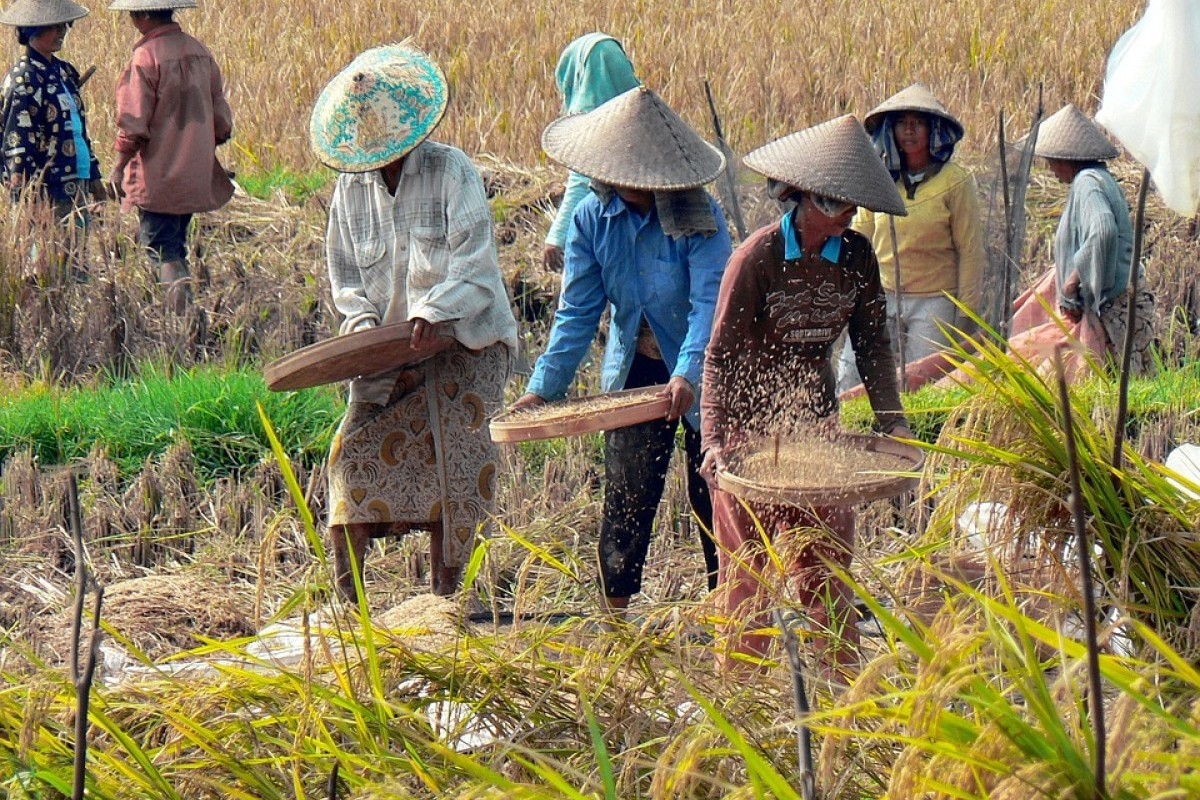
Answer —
527 400
682 395
114 182
1070 291
117 176
1073 314
1071 286
714 462
552 258
424 333
98 190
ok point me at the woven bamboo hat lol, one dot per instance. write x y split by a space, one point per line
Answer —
1069 135
35 13
150 5
634 141
917 97
381 106
834 159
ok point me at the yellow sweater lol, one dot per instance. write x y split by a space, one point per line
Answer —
940 241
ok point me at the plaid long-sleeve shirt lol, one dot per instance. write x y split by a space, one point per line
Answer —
427 252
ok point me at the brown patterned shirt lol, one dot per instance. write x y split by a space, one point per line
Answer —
768 366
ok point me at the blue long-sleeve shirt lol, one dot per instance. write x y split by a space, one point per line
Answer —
1095 239
618 258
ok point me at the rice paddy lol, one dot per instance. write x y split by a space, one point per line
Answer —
225 670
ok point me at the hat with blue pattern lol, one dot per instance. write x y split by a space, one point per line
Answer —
381 106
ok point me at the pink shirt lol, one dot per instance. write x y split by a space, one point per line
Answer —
172 113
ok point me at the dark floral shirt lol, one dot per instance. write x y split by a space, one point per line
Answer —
39 141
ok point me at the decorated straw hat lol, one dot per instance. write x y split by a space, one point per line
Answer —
1069 135
35 13
381 106
915 98
150 5
834 159
634 141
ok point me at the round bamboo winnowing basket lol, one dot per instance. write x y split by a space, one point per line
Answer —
361 354
807 474
581 415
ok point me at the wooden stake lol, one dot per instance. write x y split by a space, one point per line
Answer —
1131 322
808 781
899 303
1084 545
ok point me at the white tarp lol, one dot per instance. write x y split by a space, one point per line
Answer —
1151 100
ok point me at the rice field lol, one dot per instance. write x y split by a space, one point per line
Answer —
774 66
224 669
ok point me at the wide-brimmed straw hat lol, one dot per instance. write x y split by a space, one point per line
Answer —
917 97
381 106
1069 135
834 159
36 13
150 5
634 141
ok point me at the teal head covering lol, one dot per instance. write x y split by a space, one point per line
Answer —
381 106
592 70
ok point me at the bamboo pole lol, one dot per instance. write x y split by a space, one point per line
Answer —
1083 544
735 207
1005 265
899 303
1131 323
808 781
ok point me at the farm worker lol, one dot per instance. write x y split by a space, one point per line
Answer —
788 293
48 155
650 245
171 115
939 240
592 70
410 240
1093 246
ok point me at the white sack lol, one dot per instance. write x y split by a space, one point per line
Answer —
1151 101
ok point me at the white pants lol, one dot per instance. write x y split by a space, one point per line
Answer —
922 314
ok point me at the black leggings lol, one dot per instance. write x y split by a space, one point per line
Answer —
636 459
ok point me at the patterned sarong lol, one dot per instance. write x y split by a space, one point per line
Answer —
1115 319
425 458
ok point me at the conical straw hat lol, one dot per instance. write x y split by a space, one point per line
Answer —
381 106
917 97
1069 135
634 141
834 159
35 13
150 5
